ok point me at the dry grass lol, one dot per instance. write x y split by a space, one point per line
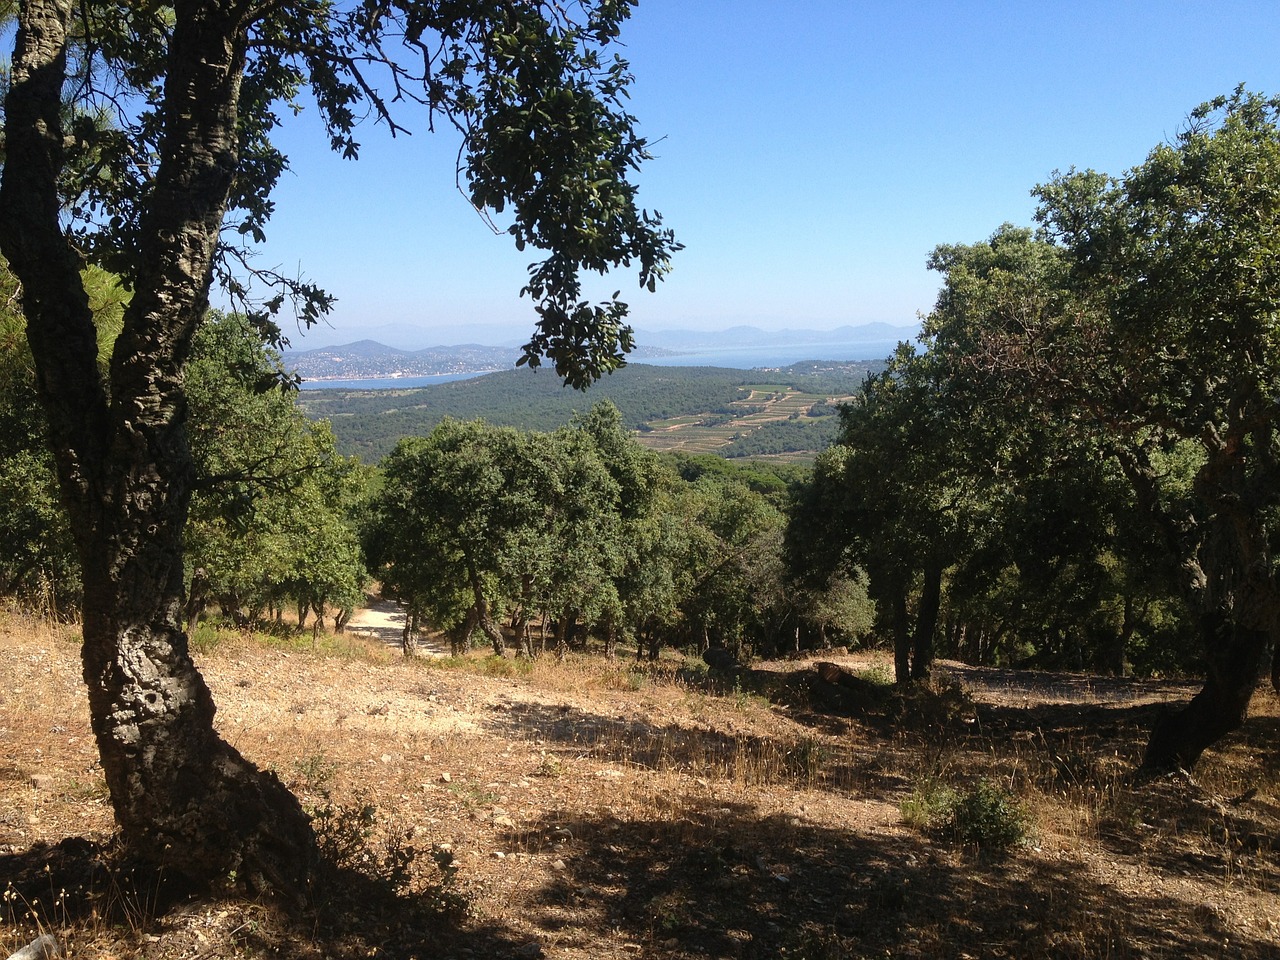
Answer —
595 809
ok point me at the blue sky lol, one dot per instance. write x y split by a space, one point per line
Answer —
809 155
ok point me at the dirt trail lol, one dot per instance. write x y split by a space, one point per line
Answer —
384 620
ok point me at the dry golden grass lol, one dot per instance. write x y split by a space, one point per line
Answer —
606 810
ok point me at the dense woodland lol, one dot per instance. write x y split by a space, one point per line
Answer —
574 536
578 537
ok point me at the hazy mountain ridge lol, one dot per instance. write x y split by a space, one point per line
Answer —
369 359
748 336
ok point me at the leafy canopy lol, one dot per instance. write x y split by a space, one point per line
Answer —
534 90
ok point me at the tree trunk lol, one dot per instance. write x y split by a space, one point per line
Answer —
1230 579
520 619
926 622
485 620
182 796
901 637
197 598
408 640
566 631
1114 655
460 636
524 635
1236 661
562 636
493 630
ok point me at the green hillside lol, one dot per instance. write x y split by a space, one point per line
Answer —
730 403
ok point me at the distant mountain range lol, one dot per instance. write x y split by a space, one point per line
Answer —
368 359
755 337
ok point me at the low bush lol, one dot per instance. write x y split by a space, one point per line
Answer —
983 816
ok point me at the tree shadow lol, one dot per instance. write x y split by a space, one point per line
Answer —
1066 687
706 878
847 765
724 880
1176 823
703 877
91 895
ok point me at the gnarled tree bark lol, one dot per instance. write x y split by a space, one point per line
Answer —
1230 581
182 796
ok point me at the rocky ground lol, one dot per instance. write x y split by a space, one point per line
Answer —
588 809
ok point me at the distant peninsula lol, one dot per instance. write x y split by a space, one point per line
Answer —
370 360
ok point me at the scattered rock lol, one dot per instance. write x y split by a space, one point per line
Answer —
42 782
446 777
44 947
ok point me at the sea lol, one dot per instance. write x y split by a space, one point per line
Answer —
736 358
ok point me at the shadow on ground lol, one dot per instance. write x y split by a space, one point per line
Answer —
724 881
707 880
97 904
700 751
704 878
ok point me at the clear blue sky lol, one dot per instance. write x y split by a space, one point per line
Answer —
809 155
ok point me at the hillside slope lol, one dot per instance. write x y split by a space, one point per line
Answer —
599 810
368 423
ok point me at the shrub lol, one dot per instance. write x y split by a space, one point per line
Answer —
928 806
988 817
984 816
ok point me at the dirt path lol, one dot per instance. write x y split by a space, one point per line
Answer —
384 620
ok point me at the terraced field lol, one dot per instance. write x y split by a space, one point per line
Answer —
765 407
